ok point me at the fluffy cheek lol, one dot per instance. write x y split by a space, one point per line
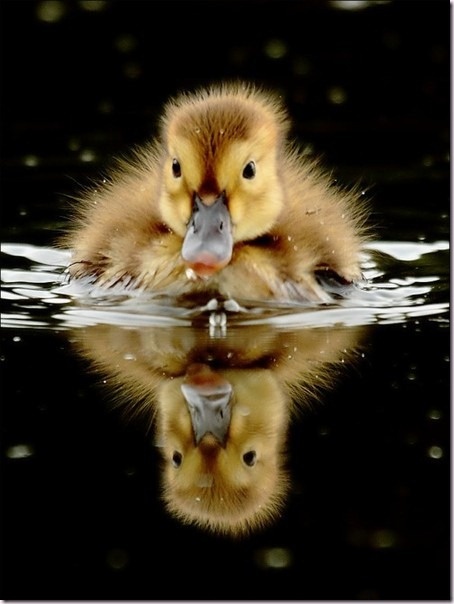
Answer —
253 213
176 211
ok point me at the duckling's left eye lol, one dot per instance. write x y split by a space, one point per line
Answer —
249 170
176 168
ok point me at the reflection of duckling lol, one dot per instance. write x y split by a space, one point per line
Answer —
222 204
220 409
226 476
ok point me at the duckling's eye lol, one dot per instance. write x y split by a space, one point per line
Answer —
249 170
176 168
177 458
250 458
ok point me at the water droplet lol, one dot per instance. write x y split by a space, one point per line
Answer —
128 356
17 339
221 131
197 130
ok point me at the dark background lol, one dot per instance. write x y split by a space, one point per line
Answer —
92 83
81 518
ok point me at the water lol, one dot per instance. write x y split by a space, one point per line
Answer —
400 284
358 450
352 399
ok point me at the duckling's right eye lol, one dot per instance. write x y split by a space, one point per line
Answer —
250 458
176 168
177 458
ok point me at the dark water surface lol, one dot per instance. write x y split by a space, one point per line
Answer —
367 513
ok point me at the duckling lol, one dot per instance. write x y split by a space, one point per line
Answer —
221 203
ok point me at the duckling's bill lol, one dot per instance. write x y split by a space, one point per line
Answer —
208 396
208 244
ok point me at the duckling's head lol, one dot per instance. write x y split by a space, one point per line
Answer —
227 477
220 180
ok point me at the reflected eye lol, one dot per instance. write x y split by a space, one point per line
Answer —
250 458
249 170
177 458
176 168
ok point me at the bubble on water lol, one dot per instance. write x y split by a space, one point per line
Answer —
117 558
275 48
383 539
434 414
274 557
132 71
105 107
31 161
301 66
428 161
435 452
125 43
74 144
20 451
87 155
93 6
336 95
50 11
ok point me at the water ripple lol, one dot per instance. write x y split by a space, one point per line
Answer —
404 280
